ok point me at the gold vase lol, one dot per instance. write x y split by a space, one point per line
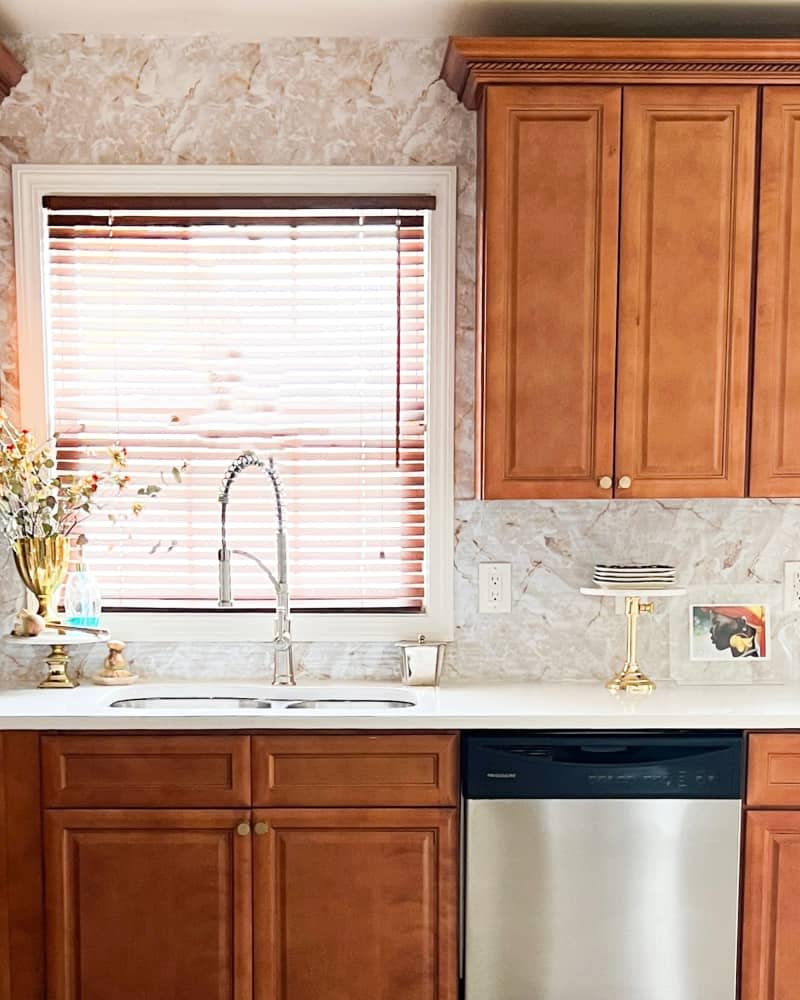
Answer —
42 563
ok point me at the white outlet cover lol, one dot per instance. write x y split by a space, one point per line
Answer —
494 588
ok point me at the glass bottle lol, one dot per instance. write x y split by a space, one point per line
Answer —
82 602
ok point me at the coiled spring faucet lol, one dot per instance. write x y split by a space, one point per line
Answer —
283 669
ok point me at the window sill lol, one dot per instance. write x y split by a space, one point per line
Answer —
227 627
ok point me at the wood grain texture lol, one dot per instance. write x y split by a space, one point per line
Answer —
356 904
148 904
771 912
686 254
87 771
11 71
775 450
21 902
5 943
307 769
773 770
550 182
472 65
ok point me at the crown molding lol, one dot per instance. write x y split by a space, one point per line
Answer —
11 71
470 64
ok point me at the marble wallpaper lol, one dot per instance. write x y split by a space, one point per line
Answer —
364 101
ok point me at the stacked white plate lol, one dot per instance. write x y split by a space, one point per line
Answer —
633 577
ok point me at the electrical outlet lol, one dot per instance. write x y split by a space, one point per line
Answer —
494 588
791 586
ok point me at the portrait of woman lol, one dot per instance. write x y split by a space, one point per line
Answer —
728 631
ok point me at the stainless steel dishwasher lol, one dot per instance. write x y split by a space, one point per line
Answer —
602 867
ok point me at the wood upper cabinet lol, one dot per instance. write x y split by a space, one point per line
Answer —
356 904
686 256
707 396
771 916
573 397
550 180
775 450
146 904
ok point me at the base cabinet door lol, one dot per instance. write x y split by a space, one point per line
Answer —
148 904
355 904
21 918
771 915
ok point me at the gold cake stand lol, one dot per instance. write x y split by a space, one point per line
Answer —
632 603
57 659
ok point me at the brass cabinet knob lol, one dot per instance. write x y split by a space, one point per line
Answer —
606 482
624 482
243 829
261 829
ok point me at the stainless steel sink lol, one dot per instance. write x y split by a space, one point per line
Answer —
334 703
233 703
212 702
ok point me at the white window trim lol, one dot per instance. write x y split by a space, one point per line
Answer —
33 182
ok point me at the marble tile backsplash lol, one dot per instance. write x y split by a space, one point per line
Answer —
364 101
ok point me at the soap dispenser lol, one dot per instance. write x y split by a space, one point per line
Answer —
82 603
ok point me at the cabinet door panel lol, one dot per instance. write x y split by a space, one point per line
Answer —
356 904
550 182
685 276
146 904
771 916
21 914
775 449
333 769
142 770
773 770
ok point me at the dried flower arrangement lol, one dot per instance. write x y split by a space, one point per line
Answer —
37 501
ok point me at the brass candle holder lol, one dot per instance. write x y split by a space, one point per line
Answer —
632 677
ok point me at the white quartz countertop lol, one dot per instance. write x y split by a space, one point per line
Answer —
494 705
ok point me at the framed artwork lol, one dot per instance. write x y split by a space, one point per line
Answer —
726 632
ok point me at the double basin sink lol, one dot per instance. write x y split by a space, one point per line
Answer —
283 699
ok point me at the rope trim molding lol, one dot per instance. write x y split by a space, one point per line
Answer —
523 65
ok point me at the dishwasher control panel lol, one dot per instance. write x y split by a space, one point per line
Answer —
678 765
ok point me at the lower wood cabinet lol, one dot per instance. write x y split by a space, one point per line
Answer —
148 905
771 916
346 904
771 903
356 904
21 919
344 900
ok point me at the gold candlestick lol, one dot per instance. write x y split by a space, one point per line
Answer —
631 677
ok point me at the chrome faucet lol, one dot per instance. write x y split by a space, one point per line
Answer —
283 665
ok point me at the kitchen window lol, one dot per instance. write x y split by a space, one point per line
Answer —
305 315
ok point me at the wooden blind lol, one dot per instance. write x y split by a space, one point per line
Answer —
190 333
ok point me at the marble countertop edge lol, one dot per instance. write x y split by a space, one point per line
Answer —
455 705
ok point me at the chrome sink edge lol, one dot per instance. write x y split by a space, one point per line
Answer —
237 700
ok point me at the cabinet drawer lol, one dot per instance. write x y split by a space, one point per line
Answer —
773 769
158 771
376 770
